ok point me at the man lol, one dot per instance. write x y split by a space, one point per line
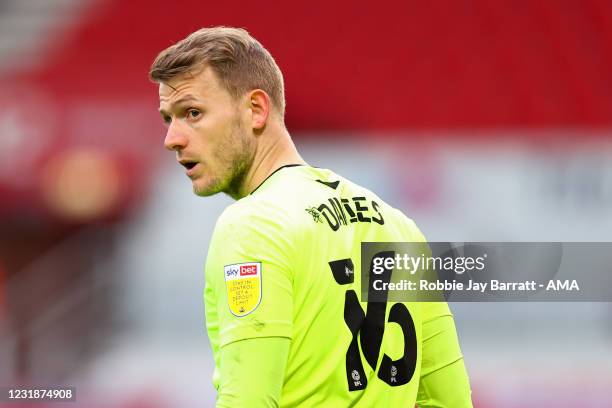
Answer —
282 314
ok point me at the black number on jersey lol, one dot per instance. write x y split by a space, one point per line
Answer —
368 329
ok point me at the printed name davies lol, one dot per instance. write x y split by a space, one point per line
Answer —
493 285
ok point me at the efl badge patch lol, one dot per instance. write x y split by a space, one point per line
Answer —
243 283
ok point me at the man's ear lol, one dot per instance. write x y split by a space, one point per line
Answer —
259 103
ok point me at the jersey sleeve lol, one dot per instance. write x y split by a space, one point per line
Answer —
248 291
440 343
239 386
444 381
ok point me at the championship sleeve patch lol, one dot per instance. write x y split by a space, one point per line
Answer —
243 284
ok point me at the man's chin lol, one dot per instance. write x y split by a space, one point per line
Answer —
205 190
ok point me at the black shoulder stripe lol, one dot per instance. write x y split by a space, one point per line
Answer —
330 184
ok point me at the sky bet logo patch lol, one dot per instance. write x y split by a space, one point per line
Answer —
243 284
249 269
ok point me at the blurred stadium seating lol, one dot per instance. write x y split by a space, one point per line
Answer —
483 120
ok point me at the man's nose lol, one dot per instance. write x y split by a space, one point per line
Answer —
175 139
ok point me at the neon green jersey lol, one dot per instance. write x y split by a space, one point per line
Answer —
285 261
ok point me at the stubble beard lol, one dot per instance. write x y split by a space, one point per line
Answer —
236 156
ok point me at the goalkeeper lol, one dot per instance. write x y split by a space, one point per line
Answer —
282 312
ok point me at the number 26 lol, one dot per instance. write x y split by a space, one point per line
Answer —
368 329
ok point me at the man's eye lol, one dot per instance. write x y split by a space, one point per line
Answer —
193 113
167 119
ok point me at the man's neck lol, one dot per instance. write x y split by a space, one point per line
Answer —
275 151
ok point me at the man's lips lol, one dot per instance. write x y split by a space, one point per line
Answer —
192 171
190 165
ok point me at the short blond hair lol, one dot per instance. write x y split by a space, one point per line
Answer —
239 60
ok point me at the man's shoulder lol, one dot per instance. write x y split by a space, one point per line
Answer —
283 195
282 202
299 198
245 211
262 213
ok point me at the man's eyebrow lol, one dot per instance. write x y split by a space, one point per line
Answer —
186 98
